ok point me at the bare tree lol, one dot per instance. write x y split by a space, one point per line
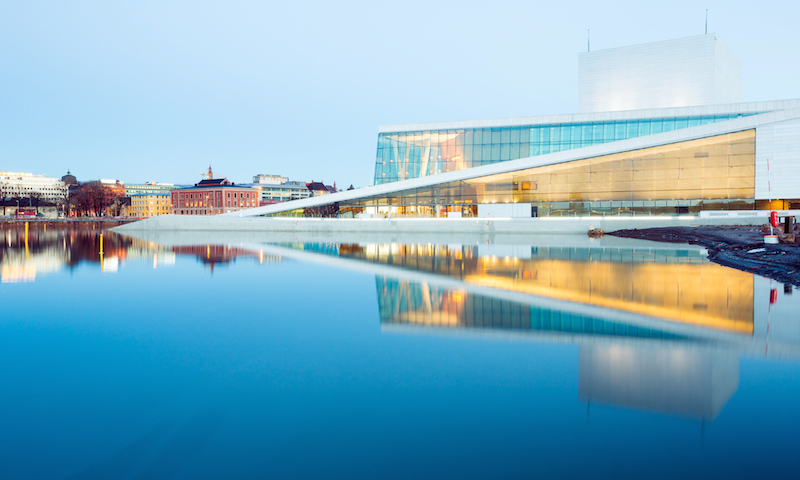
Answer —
17 197
35 197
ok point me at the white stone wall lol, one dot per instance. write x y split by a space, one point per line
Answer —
778 143
504 210
727 75
688 71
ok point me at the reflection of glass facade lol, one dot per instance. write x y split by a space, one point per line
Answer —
709 173
678 286
405 155
403 302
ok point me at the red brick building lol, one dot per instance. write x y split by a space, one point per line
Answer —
212 197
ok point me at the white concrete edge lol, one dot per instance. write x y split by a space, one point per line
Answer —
647 141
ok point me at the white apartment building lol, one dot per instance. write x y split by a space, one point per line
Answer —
23 185
278 189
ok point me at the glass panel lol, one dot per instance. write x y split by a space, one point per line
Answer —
633 130
597 133
476 153
486 154
608 132
544 135
555 135
619 131
495 152
524 135
524 150
656 126
505 152
586 135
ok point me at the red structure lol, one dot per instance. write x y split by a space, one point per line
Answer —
212 197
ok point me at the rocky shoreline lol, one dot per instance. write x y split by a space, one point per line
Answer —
736 246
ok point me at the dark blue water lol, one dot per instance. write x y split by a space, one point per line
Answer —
323 359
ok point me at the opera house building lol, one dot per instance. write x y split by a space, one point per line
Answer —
661 131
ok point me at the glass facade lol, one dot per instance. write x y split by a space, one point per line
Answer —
709 173
405 155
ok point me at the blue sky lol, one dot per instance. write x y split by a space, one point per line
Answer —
158 90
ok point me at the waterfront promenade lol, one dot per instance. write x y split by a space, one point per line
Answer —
542 225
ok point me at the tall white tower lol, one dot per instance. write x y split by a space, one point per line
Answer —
684 72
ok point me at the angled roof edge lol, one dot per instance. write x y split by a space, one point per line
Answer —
722 109
638 143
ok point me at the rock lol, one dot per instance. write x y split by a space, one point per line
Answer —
788 238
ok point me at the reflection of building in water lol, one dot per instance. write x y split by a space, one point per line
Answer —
46 251
160 256
21 261
212 255
404 302
675 285
660 371
683 380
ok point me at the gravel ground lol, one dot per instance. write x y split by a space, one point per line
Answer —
729 246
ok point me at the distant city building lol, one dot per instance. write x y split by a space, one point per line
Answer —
69 179
132 189
73 186
123 207
319 188
28 185
283 192
111 188
144 205
278 189
270 179
212 197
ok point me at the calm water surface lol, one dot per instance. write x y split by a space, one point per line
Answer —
248 356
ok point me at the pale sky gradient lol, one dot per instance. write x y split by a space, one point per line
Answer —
158 90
